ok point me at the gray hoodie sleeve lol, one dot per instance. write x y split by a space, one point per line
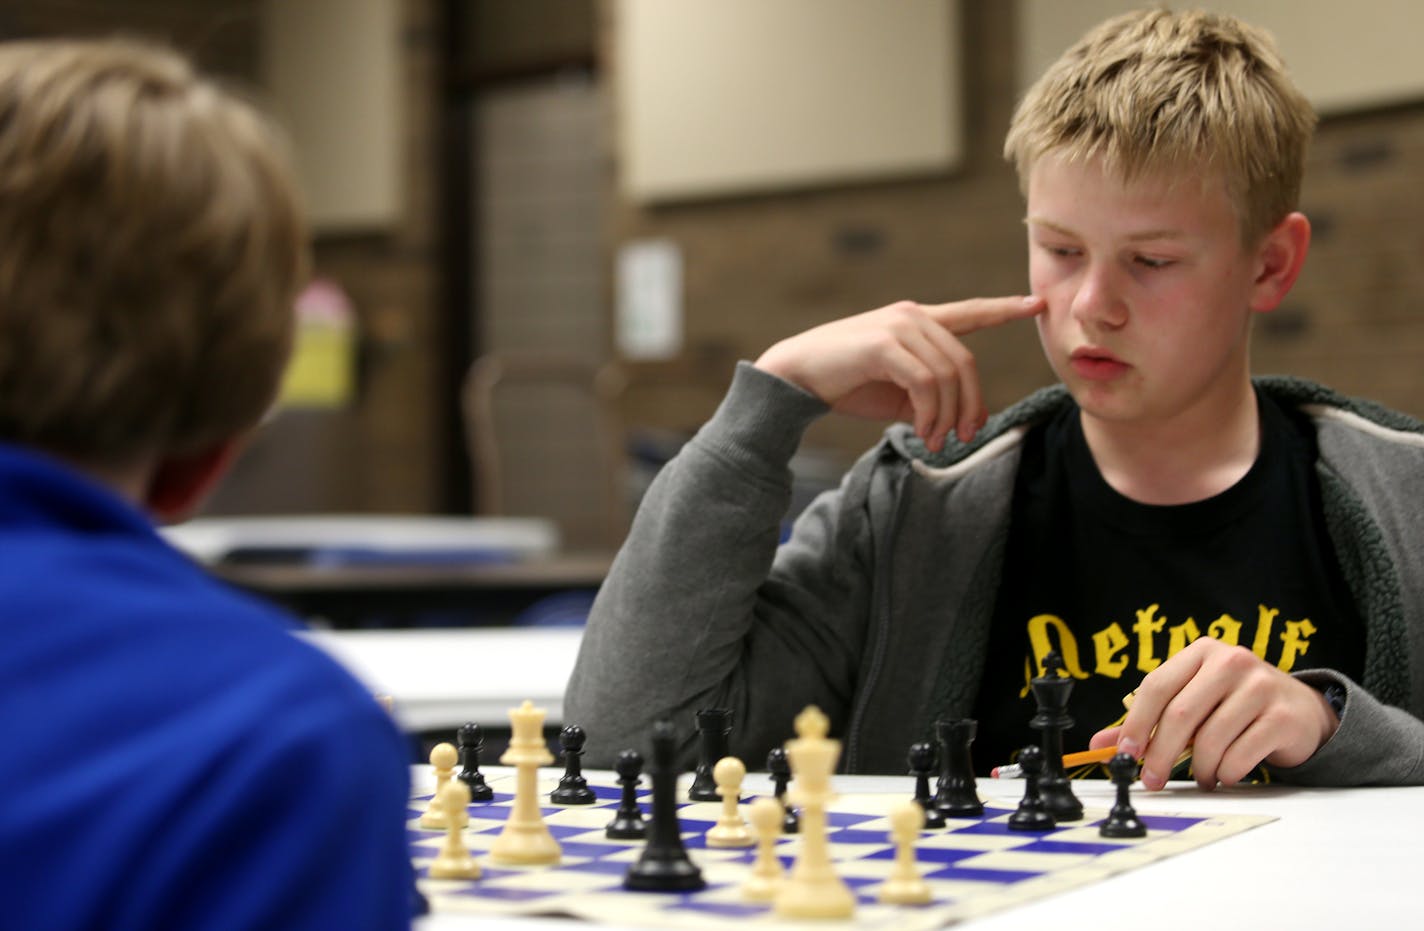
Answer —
1372 487
1376 744
700 609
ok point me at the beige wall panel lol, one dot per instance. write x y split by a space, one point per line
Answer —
744 95
1344 56
333 70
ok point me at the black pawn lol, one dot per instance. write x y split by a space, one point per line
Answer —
627 823
573 788
922 764
664 865
713 726
957 795
780 769
470 741
1051 692
1122 820
1031 814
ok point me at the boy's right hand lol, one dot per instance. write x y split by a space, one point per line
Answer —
900 362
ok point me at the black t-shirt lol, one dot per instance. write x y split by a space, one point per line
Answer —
1116 586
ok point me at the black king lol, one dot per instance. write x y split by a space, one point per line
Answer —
1051 691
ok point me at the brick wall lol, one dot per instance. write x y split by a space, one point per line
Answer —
760 268
1354 319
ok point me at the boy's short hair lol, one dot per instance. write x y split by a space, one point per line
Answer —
1157 91
152 243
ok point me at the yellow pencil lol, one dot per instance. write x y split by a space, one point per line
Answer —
1081 758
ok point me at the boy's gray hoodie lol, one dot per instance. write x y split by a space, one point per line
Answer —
878 607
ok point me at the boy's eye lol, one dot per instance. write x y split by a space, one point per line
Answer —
1060 251
1146 261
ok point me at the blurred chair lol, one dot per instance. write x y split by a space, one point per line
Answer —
545 441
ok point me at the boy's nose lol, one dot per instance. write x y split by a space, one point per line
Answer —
1097 302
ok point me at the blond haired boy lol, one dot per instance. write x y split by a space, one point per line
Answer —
174 758
1243 553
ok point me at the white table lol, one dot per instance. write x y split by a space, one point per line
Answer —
397 536
443 678
347 571
1335 859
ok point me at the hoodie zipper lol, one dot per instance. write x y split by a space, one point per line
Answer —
883 565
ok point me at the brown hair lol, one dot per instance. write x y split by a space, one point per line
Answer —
151 246
1154 91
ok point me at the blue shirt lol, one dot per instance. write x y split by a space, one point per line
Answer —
172 756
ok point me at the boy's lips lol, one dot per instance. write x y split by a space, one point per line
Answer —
1096 364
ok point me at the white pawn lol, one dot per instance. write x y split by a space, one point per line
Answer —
443 757
730 830
905 885
454 860
765 815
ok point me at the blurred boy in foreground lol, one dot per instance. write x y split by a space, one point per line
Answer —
174 758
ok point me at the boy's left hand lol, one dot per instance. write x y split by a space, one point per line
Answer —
1233 709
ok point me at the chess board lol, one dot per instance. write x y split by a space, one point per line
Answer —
973 867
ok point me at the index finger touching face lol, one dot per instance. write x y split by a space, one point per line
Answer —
961 317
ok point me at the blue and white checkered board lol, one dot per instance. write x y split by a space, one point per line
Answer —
973 866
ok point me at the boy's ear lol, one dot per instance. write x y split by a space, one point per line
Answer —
180 483
1279 260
